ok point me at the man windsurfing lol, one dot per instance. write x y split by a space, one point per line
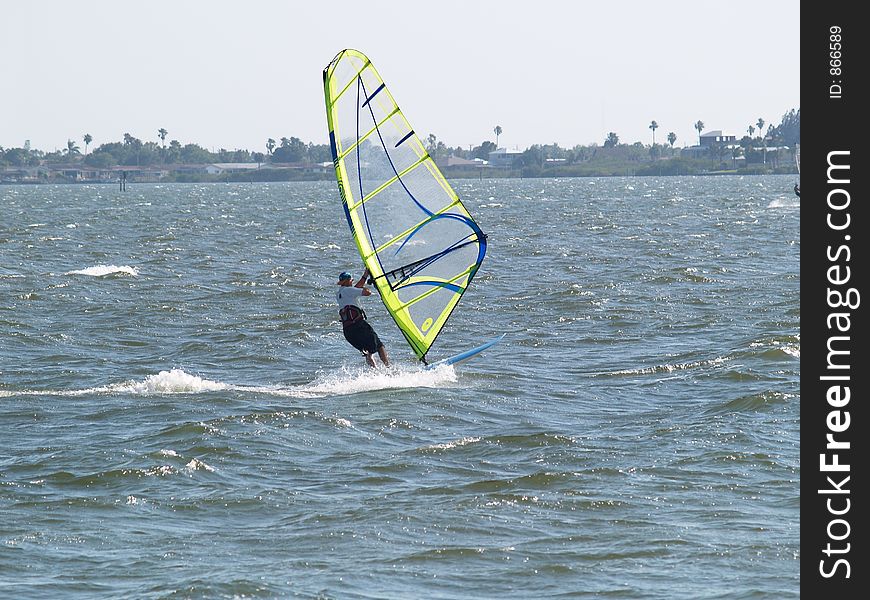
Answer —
357 330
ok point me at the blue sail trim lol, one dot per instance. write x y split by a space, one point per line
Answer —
480 238
443 284
375 93
415 268
334 147
432 219
404 139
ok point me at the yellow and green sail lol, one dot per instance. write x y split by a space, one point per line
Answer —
417 239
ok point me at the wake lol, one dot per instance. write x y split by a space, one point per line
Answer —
785 203
347 381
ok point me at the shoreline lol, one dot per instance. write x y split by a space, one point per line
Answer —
459 176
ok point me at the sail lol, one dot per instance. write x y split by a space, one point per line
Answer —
417 239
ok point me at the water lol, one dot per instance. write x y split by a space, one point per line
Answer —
181 417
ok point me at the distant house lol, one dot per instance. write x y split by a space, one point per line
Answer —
221 168
457 162
503 157
300 167
716 137
18 174
182 169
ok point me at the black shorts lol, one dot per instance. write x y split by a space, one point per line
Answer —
362 337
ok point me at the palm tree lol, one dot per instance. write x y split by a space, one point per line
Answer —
654 126
162 133
700 127
71 148
750 131
87 140
763 137
497 131
672 137
270 146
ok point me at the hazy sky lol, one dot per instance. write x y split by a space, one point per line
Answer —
230 74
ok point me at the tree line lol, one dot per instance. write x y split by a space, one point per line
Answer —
132 151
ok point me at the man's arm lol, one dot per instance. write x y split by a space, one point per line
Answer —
362 283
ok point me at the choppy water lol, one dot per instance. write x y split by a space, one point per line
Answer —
181 417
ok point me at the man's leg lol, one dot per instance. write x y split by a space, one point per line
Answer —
382 352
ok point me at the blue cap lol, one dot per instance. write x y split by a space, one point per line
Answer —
344 275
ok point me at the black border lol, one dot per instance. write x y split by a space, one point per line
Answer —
832 124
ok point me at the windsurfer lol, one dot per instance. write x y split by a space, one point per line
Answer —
797 190
357 330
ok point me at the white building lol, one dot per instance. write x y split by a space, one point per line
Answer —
716 137
503 157
221 168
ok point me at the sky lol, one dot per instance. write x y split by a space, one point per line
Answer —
231 74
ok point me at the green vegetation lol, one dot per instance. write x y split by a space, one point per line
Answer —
771 151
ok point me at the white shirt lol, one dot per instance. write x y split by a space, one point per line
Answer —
347 294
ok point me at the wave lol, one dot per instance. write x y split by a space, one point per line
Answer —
504 442
104 478
782 353
752 403
665 368
103 270
776 348
174 381
449 445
